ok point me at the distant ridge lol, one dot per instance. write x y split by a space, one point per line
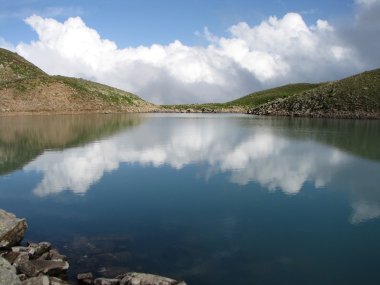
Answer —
24 88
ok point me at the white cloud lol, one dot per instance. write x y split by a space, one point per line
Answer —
277 51
366 2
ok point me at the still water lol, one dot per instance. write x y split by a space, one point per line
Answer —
211 199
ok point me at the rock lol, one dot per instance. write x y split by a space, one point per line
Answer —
57 281
106 281
8 273
22 277
39 249
134 278
22 258
40 280
55 255
33 268
11 256
12 229
85 278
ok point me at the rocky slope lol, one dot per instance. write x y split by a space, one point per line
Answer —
24 88
357 96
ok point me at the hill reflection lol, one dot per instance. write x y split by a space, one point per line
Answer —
246 151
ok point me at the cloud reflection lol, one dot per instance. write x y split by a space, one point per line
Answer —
250 155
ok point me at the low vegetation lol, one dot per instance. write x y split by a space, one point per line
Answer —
26 88
241 105
357 96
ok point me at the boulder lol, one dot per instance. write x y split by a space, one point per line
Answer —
134 278
40 280
12 229
32 268
8 273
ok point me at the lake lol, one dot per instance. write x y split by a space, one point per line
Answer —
210 199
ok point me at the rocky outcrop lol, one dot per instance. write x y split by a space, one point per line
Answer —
12 229
37 264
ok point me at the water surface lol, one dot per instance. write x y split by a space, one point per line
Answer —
211 199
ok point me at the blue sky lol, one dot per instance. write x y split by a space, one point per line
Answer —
161 50
144 22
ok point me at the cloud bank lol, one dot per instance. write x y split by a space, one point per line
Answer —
277 51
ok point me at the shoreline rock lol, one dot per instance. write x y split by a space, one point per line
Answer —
40 264
12 229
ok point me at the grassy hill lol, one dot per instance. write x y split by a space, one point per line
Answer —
357 96
241 105
26 88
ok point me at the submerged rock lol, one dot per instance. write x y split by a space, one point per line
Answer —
8 274
134 278
86 278
12 229
106 281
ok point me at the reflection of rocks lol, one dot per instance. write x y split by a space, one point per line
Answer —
11 229
40 264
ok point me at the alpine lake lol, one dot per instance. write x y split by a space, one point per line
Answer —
205 198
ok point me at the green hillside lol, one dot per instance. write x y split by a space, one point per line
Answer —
14 67
24 88
265 96
357 96
241 105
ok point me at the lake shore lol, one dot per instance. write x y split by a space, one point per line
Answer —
257 112
41 264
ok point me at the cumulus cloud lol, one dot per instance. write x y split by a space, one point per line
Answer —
277 51
363 32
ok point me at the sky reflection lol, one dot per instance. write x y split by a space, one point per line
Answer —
259 155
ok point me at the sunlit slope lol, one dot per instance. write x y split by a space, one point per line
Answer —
26 88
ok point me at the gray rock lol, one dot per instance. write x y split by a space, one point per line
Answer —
8 273
40 280
33 268
106 281
134 278
86 278
11 256
12 229
38 249
57 281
